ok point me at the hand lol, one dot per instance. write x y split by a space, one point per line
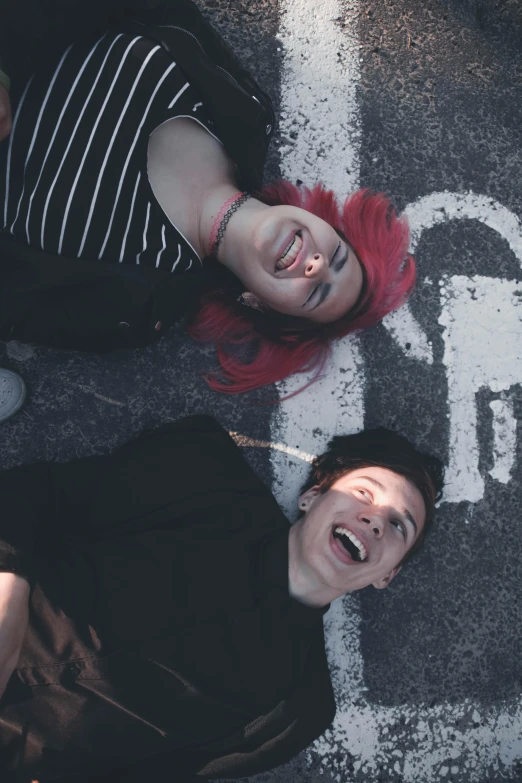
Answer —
5 113
14 615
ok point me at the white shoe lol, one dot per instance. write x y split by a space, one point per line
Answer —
12 393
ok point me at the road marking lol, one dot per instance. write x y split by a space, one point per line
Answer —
320 123
409 335
417 743
504 439
420 744
441 207
472 328
477 313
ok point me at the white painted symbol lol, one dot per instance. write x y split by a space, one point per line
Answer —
482 317
504 439
476 326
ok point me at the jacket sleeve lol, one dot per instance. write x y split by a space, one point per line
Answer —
150 481
86 305
272 740
26 500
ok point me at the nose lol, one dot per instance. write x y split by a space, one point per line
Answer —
315 265
375 522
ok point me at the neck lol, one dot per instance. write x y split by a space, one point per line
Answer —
303 584
210 205
232 249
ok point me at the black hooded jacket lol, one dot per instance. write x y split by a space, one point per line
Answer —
162 637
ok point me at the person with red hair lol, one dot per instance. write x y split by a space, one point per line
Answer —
377 242
132 194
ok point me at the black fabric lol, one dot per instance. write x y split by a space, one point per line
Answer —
90 306
243 114
45 298
161 635
76 159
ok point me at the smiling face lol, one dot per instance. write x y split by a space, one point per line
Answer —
295 263
353 535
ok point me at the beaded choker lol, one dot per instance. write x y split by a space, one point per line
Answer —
221 222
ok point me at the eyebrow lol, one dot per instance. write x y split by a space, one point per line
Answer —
407 513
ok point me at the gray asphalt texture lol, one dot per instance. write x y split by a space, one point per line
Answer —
441 102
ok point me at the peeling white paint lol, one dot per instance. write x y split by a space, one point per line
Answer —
482 739
306 423
408 334
479 315
504 439
464 481
320 119
441 207
320 125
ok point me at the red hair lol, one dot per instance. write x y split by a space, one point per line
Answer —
255 349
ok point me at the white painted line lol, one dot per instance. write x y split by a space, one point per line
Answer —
409 335
504 439
479 315
427 212
320 127
441 207
419 744
320 120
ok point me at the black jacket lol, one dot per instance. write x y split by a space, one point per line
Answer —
92 305
161 634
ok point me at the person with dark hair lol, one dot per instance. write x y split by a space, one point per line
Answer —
132 193
160 619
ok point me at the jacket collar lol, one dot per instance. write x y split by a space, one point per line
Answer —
273 579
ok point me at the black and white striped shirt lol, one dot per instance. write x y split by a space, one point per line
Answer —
73 173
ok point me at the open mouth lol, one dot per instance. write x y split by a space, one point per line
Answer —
351 543
290 254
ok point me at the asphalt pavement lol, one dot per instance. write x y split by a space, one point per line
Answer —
426 103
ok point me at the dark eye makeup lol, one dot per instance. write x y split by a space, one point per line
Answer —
336 266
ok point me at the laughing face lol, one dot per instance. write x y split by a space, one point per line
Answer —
295 263
353 535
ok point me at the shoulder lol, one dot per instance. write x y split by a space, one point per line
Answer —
201 448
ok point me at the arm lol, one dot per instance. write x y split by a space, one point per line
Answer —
149 482
14 611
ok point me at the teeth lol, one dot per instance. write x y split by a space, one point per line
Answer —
290 254
362 549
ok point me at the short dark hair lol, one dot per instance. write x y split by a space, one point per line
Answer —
381 448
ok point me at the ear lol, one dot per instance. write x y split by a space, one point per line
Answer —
380 584
251 300
307 498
